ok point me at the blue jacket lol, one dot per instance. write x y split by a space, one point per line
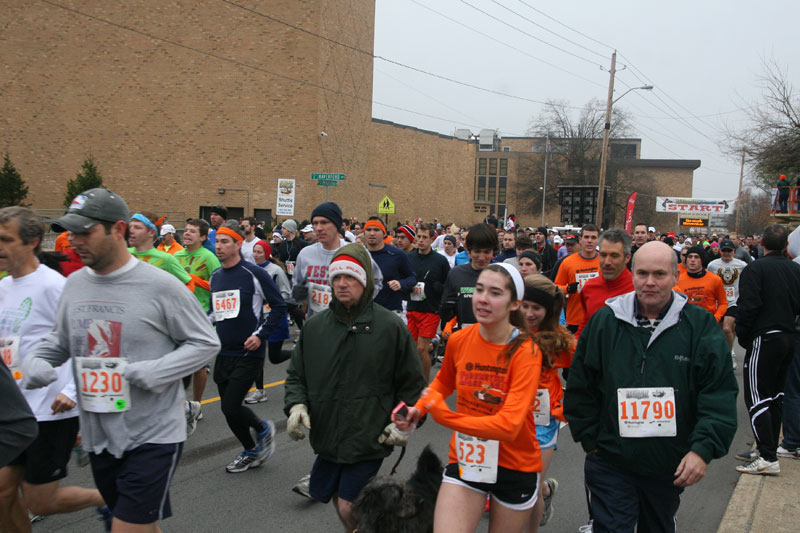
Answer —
394 265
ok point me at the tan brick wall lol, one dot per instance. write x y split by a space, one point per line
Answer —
169 126
427 175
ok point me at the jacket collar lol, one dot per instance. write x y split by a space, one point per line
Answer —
624 309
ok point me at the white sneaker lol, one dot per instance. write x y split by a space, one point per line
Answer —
195 410
760 467
791 454
302 487
256 396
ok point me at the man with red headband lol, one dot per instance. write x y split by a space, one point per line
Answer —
399 278
239 291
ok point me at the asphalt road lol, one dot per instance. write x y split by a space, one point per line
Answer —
207 498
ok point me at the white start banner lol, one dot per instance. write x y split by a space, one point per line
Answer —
285 204
693 206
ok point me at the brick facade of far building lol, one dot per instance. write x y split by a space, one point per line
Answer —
206 103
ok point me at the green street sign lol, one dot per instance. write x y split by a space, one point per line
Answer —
328 183
327 177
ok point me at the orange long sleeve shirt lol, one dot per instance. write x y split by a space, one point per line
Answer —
576 268
495 399
707 291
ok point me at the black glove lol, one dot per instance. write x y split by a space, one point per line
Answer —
572 288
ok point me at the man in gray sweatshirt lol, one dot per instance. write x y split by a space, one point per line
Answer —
132 331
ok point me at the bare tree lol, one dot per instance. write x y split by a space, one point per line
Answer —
771 139
753 207
576 139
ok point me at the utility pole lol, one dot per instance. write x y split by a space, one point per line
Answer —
601 182
739 196
544 186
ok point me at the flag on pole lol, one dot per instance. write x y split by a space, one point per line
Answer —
629 212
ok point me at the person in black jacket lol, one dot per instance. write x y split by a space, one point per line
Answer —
546 251
426 296
769 301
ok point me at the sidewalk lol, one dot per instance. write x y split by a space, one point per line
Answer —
765 503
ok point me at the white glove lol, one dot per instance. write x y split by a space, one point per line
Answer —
298 414
391 436
37 373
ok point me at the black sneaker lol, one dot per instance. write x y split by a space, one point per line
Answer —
747 456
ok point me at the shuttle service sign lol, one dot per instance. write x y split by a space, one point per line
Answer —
285 204
693 206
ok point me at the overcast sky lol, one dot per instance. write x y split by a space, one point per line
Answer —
704 58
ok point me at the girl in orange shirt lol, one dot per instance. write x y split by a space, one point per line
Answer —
494 368
542 305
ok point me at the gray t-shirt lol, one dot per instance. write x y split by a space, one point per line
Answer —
143 315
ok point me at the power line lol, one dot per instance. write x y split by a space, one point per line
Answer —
635 70
482 34
391 61
545 28
564 25
590 61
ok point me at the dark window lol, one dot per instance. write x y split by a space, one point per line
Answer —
492 189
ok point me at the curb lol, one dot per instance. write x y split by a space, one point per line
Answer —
742 505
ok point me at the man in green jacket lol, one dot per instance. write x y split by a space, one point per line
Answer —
651 397
354 362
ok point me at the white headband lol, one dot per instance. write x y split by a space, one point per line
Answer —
516 277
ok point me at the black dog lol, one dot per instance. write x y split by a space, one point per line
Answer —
387 505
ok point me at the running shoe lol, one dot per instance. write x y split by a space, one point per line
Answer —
791 454
548 501
81 457
760 467
243 461
192 416
256 396
265 442
747 456
105 516
35 517
302 487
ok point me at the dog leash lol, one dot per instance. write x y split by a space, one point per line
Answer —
397 463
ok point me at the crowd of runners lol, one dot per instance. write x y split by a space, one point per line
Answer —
108 341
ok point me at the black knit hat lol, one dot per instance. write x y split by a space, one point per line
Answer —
328 210
696 250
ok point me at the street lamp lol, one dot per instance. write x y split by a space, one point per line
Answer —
601 182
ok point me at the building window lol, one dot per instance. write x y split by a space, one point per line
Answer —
480 182
492 189
501 192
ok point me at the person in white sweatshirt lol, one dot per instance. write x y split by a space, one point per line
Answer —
28 299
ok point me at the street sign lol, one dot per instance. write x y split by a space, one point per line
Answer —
327 177
386 206
328 183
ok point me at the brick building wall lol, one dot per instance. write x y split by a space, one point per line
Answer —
169 126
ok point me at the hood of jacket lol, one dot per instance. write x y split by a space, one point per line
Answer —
623 307
360 254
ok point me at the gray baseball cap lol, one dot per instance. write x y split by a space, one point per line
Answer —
90 208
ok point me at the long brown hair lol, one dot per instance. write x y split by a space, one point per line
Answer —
552 338
516 318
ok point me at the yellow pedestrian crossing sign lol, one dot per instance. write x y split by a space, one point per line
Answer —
386 206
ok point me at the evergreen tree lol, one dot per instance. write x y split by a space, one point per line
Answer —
12 187
88 178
